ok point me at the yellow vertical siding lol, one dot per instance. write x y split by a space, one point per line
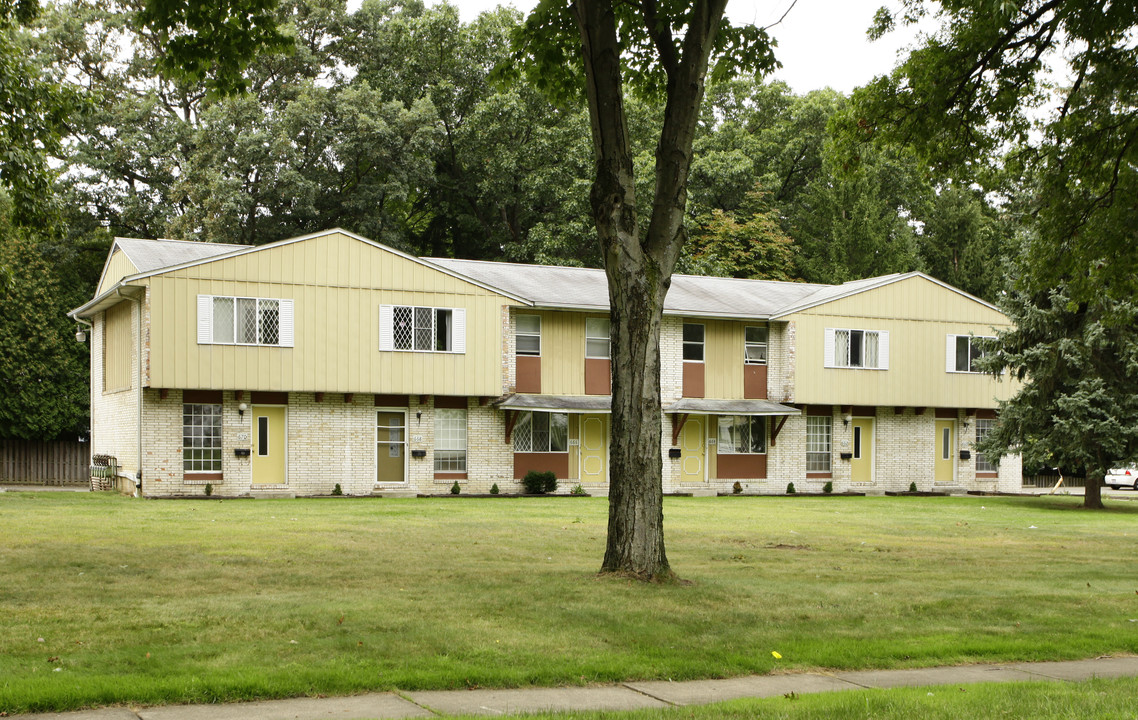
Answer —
118 266
562 352
118 348
723 358
337 284
919 315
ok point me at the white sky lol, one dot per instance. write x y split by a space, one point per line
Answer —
820 43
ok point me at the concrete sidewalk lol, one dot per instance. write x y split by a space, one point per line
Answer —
626 696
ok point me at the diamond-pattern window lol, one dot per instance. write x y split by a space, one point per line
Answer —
268 322
246 321
541 432
403 330
424 328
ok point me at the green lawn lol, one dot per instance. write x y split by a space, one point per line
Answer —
182 601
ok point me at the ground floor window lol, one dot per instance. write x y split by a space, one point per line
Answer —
983 463
450 440
537 432
819 440
201 437
742 434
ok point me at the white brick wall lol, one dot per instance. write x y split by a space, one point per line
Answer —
114 415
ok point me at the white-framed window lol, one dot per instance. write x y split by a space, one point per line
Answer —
597 343
231 320
450 440
983 464
819 439
845 348
527 334
755 345
693 342
411 328
541 432
742 434
962 351
201 437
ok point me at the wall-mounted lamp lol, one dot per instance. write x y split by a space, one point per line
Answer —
419 417
241 409
80 334
846 419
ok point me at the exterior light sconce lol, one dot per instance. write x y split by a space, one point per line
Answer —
419 417
241 409
80 334
846 419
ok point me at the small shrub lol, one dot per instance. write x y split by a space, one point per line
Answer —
912 487
578 490
537 483
208 489
337 490
455 489
790 488
828 487
494 489
737 487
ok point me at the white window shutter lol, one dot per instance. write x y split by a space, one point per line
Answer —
950 354
205 319
883 350
386 327
286 335
828 352
459 344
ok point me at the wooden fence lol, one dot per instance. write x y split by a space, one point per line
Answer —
1048 481
28 462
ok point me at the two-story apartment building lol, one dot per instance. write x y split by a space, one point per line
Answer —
328 359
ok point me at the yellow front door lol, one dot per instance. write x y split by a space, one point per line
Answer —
861 464
594 448
945 465
693 450
269 445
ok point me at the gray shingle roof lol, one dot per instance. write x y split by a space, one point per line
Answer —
150 255
550 286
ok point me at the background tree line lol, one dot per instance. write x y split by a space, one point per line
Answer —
392 122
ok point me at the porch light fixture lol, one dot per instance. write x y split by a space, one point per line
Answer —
241 409
846 419
419 417
80 334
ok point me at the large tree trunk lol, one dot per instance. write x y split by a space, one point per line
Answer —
640 269
1092 494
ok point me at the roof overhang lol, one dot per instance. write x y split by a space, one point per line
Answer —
558 403
111 297
701 406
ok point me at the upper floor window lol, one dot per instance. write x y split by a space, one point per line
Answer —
422 329
857 349
226 320
597 343
962 352
755 345
693 342
742 434
527 336
541 432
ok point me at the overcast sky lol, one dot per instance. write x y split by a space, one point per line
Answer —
820 43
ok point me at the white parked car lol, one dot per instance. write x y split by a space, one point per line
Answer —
1125 477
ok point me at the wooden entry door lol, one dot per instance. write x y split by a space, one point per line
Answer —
693 450
861 464
269 445
944 469
594 448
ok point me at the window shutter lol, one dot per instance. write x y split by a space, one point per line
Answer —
828 352
386 327
286 323
459 344
883 350
950 354
205 319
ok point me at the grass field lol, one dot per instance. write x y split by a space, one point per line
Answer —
110 600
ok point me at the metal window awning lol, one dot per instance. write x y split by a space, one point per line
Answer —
701 406
557 403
